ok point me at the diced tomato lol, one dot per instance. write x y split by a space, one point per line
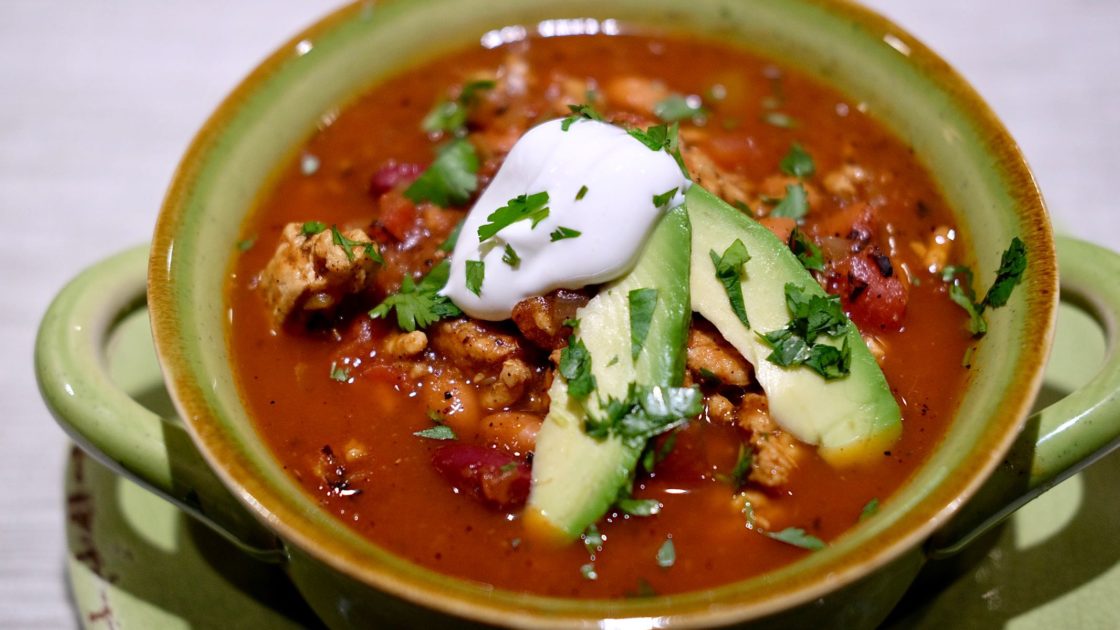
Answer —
398 214
494 477
871 290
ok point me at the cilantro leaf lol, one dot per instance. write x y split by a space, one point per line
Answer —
339 373
582 193
794 205
729 272
348 245
592 539
438 432
419 305
510 257
246 244
1012 264
639 507
665 137
742 467
811 317
533 207
644 413
870 509
450 179
575 366
476 272
311 228
562 233
588 571
664 198
666 554
451 115
797 163
806 251
677 107
583 111
798 538
642 302
977 325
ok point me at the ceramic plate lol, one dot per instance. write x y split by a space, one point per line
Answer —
136 562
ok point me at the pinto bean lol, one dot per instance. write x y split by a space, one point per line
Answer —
447 394
514 431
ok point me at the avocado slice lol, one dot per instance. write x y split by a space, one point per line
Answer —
576 478
852 418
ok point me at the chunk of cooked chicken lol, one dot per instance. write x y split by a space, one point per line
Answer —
312 272
775 452
466 341
729 186
708 353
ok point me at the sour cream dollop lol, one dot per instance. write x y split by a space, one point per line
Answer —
614 216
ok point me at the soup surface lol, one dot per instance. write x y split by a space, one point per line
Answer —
352 405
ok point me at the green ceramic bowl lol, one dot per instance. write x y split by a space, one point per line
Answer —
994 457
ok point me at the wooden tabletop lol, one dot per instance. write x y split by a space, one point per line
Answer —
98 100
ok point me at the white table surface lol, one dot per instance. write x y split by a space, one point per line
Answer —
99 98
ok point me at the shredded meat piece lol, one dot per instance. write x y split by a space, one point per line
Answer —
775 451
507 387
846 181
708 352
466 341
312 272
731 187
637 94
402 345
720 409
541 319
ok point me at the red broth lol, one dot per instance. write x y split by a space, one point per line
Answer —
351 445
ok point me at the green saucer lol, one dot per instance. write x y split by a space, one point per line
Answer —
136 562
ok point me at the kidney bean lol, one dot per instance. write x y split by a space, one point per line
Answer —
494 477
392 174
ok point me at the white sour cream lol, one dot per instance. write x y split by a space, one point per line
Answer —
614 216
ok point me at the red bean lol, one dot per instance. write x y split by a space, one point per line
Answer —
495 478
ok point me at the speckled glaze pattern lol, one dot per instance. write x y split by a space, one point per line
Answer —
873 62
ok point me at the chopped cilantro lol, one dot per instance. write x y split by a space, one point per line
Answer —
798 538
794 205
507 467
418 305
575 366
451 115
588 572
709 376
476 272
510 257
666 554
583 111
664 198
452 238
654 456
582 193
729 272
677 107
571 322
797 163
642 302
665 137
812 317
533 207
1012 264
435 416
780 120
644 413
246 244
311 228
639 507
348 245
742 467
613 361
869 510
592 539
438 432
562 233
339 373
451 178
806 251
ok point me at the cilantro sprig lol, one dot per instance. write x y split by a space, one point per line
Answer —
1012 265
575 366
583 111
663 138
419 304
811 317
532 207
794 205
643 413
452 177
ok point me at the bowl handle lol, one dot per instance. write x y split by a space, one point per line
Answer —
72 370
1072 433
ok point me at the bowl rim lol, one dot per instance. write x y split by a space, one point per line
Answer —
272 507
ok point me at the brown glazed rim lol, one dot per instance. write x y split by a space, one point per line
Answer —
376 567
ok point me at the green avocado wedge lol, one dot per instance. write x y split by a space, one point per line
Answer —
851 418
576 478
